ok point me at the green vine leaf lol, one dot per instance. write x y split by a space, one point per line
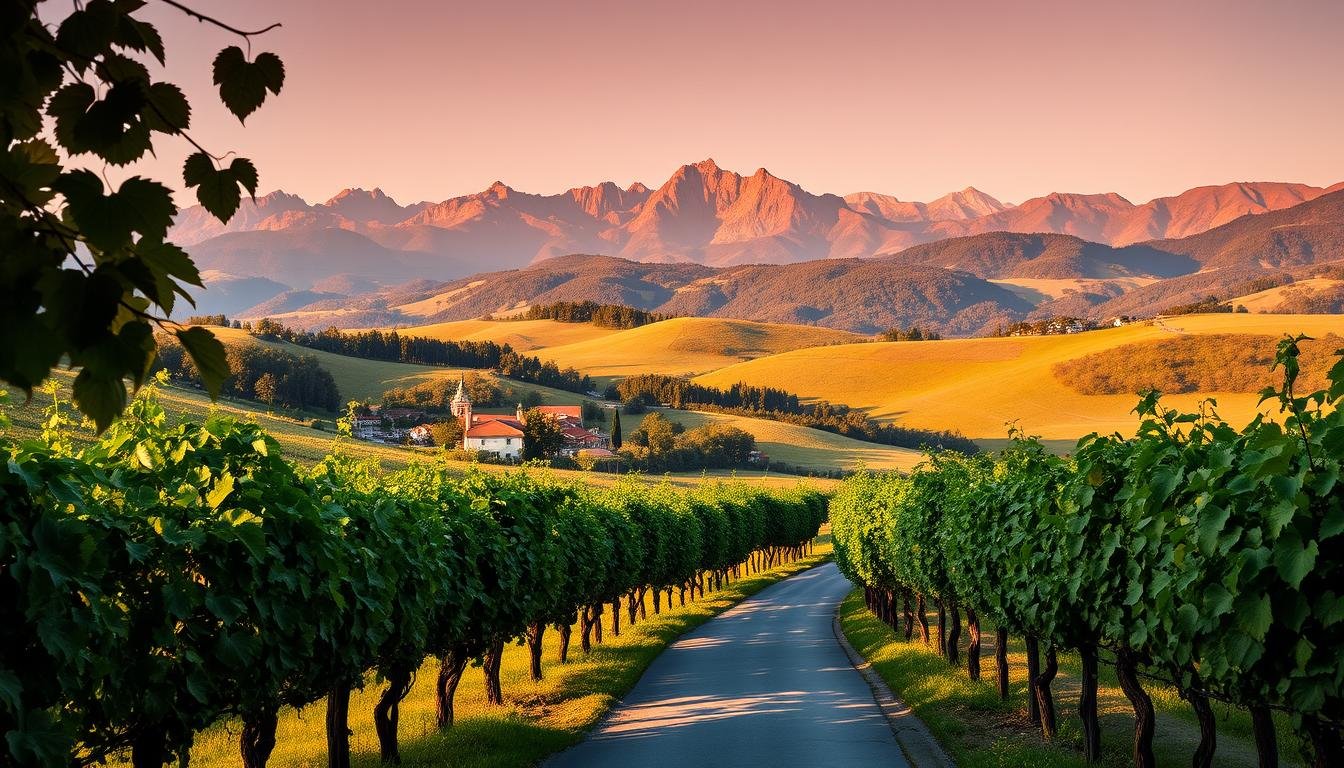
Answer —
208 356
243 84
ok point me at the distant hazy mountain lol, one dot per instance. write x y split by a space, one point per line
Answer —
962 285
702 214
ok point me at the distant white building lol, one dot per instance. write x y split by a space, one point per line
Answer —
367 427
500 435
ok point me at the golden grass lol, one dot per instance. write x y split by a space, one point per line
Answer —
976 386
537 718
688 345
1269 300
361 379
794 444
979 730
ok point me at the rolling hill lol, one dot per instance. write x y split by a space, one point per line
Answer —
362 379
368 379
686 345
977 386
795 445
860 295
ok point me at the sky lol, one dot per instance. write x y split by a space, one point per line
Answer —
429 100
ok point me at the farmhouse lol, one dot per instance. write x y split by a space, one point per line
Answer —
502 434
366 427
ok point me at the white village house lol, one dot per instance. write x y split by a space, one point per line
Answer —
502 434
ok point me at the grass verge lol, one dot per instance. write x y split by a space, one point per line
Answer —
537 718
979 730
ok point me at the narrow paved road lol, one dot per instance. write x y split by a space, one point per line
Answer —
766 683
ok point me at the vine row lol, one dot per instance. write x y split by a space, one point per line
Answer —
167 577
1204 554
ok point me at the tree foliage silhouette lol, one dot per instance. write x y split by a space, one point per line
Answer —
87 274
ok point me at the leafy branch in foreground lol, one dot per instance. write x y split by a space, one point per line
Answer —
87 273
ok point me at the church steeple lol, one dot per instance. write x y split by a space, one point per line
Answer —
461 404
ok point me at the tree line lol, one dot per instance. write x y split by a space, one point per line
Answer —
604 315
256 372
166 578
394 347
779 405
1196 552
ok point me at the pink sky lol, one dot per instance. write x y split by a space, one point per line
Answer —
433 99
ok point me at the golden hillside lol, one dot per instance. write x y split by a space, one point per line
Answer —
688 345
977 385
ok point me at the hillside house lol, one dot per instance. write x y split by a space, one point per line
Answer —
367 426
502 434
420 435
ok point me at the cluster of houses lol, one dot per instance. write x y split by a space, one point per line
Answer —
392 425
502 435
498 434
1064 326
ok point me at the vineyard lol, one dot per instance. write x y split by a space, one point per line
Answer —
1204 556
163 579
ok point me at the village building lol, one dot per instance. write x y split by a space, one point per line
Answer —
502 434
366 426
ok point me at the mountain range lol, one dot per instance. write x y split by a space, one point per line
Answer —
711 241
702 214
958 286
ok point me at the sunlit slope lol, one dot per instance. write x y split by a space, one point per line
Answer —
360 379
522 335
688 345
793 444
307 445
977 385
1269 300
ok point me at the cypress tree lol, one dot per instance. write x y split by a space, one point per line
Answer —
615 428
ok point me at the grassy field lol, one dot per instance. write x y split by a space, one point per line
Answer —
1268 300
796 445
307 445
522 335
975 386
979 730
537 718
361 379
687 345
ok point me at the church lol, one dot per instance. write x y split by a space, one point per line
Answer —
502 434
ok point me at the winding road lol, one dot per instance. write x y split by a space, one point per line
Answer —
765 683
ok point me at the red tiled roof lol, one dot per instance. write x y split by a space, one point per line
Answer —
496 428
481 418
